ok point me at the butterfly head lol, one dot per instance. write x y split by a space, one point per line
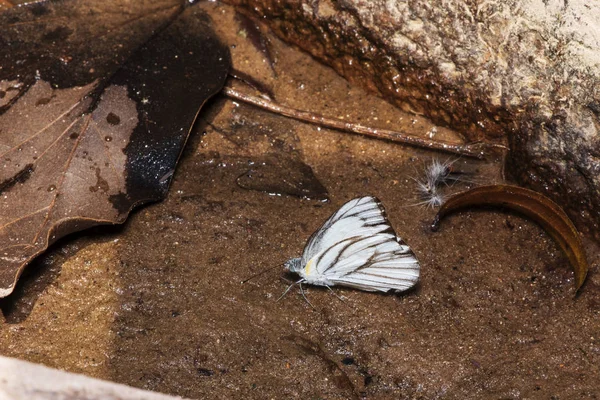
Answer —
293 265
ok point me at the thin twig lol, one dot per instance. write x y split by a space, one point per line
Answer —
468 150
266 92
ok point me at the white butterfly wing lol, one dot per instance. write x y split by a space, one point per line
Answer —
357 247
380 263
358 217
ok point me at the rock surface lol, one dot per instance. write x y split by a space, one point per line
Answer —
519 72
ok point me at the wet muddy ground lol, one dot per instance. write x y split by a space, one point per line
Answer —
158 304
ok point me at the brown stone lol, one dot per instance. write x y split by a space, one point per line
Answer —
522 73
21 380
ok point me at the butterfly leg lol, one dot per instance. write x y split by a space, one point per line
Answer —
289 287
303 295
335 294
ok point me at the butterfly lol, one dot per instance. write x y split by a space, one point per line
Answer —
358 248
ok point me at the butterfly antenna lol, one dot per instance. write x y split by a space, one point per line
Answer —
261 272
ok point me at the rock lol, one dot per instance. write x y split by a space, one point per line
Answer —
518 72
21 380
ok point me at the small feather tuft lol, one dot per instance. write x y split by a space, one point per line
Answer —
430 196
436 175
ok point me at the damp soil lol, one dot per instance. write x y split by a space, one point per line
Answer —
158 302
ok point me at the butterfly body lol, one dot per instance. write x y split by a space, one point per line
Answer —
305 272
357 247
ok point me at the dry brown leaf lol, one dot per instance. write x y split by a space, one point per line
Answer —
88 127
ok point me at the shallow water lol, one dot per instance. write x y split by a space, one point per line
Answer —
158 303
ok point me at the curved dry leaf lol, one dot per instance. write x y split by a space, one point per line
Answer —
88 127
533 205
